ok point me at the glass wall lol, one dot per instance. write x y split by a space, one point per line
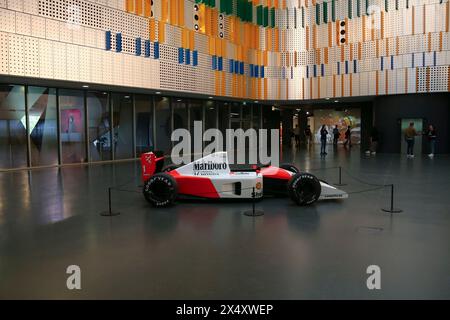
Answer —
13 133
43 126
67 126
163 124
123 132
144 124
72 126
99 120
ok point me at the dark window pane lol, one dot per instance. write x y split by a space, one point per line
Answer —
210 115
122 106
196 114
13 135
180 115
223 108
99 120
144 124
163 124
256 116
42 119
72 126
246 116
235 115
224 116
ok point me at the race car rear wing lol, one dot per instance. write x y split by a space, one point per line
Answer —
151 163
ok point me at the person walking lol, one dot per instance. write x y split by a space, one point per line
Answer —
308 136
297 135
410 137
336 135
348 137
374 138
431 134
323 140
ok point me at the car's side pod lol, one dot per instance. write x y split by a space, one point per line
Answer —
151 163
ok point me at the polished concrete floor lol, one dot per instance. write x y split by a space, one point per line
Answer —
50 219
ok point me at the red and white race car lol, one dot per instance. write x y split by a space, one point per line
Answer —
211 178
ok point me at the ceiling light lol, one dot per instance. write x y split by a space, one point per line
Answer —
85 86
157 92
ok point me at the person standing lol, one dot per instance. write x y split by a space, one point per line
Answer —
336 135
323 140
374 138
410 136
308 135
431 134
297 135
348 137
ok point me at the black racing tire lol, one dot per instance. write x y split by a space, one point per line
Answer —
170 167
290 167
304 189
161 190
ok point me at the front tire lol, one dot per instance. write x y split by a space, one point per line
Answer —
304 189
161 190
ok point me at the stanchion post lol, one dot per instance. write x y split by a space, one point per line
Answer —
109 213
253 212
340 178
392 209
253 200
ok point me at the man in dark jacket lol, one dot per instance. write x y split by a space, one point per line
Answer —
336 135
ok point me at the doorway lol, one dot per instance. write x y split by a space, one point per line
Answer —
418 125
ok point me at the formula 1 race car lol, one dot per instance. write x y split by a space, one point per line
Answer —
211 178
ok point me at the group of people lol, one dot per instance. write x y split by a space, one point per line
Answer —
410 137
336 135
323 137
410 134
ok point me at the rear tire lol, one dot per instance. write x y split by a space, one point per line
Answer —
290 167
304 189
161 190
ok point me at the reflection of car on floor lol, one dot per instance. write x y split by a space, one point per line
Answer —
211 178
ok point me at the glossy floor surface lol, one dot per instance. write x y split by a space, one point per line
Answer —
50 219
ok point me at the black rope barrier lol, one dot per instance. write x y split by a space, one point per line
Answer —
253 212
110 212
391 208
